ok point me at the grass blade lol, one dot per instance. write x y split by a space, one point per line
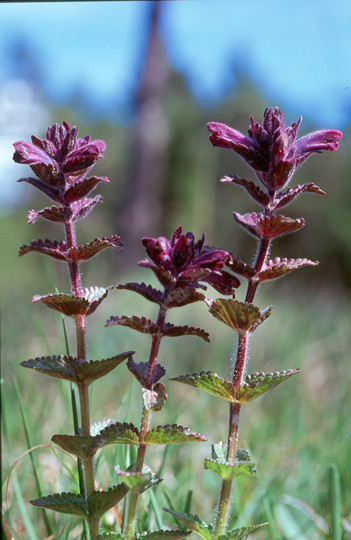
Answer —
334 502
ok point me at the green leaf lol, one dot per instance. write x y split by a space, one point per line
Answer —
240 316
154 399
119 433
219 452
257 384
163 535
138 482
171 434
66 503
194 523
209 382
74 306
228 471
110 536
68 368
241 534
101 501
81 446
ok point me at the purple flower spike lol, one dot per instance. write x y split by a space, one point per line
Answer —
182 262
271 149
61 162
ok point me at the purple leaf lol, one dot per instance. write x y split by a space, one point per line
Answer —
141 324
170 330
277 267
270 226
284 198
253 189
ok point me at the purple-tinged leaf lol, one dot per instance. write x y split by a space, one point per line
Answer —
277 267
59 214
209 382
74 306
57 250
141 324
55 193
241 268
80 209
78 445
284 198
68 368
66 503
86 251
82 188
194 523
138 482
164 276
154 399
229 471
101 501
140 371
182 296
172 434
242 533
269 227
256 384
147 291
253 189
96 427
241 316
170 330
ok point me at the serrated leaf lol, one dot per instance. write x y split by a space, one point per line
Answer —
81 188
268 227
228 471
68 368
219 452
209 382
171 434
170 330
101 501
81 446
140 371
163 535
182 296
241 268
123 433
154 295
66 503
81 208
154 399
141 324
240 316
243 533
58 214
110 536
253 189
284 198
87 251
96 427
138 482
55 249
193 522
256 384
74 306
277 267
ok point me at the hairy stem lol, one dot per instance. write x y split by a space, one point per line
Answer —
83 389
145 422
234 408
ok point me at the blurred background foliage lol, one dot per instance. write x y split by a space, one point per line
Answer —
164 173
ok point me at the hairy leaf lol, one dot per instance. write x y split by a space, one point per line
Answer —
119 433
140 371
284 198
243 533
163 535
154 399
66 503
81 208
101 501
182 296
138 482
96 427
257 384
175 331
171 434
241 316
228 471
209 382
154 295
57 250
269 227
59 214
277 267
87 251
78 445
253 189
82 188
241 268
141 324
194 523
74 306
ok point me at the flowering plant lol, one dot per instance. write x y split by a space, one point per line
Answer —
184 267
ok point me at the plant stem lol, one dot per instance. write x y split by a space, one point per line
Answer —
234 408
83 389
145 422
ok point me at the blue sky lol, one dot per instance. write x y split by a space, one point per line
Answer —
298 52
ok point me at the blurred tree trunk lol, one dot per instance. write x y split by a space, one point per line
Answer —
142 213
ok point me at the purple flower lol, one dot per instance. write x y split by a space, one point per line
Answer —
61 162
271 149
182 262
